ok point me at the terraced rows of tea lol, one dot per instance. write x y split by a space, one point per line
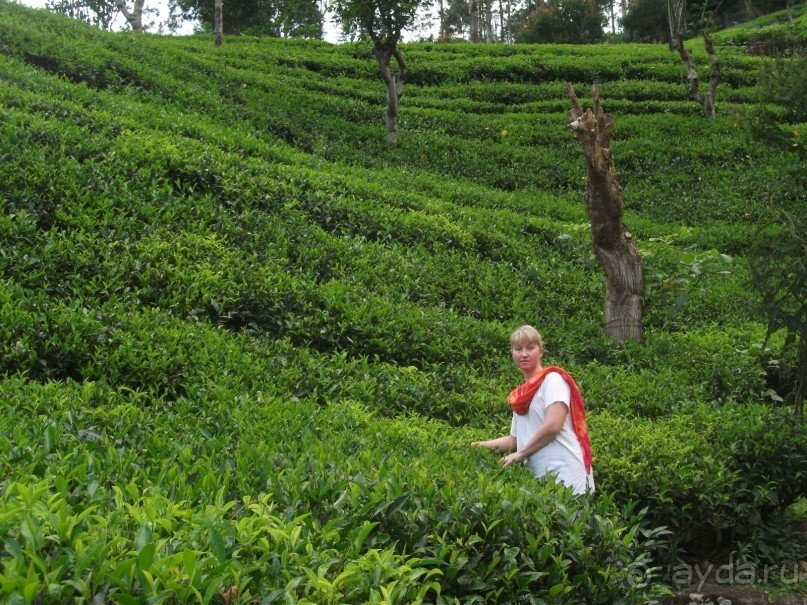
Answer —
245 347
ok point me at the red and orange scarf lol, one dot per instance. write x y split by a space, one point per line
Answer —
521 397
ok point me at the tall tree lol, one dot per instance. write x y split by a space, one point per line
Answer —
100 13
677 16
279 18
134 17
473 21
564 21
676 19
383 21
646 21
218 22
614 247
481 20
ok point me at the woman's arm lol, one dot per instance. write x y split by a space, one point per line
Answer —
546 433
502 444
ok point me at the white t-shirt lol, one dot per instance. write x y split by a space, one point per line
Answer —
563 456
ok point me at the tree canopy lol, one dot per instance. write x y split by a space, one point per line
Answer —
565 21
279 18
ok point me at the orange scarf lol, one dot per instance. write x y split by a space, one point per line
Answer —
521 397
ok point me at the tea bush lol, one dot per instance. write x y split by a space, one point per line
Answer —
100 522
702 462
775 34
246 346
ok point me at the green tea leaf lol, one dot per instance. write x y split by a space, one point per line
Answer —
146 556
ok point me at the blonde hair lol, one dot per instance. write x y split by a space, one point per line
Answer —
526 335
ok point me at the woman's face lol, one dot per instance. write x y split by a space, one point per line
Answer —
527 357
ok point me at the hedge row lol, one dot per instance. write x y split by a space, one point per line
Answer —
289 501
258 343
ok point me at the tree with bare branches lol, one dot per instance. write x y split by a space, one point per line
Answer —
707 97
614 247
676 14
134 17
383 21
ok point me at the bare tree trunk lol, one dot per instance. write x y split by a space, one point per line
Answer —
135 17
394 82
508 32
501 22
218 19
675 17
707 99
490 35
473 19
613 17
613 244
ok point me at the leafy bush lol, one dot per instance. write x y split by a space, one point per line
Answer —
779 275
99 521
254 344
712 476
777 34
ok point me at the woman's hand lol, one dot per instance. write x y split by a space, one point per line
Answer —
515 457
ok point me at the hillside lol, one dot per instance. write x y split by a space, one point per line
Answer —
245 345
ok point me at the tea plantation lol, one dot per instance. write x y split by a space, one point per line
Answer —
244 347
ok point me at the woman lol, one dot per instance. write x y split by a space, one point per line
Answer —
548 431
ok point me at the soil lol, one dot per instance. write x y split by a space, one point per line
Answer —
721 594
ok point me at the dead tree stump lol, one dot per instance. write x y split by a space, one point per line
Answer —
613 244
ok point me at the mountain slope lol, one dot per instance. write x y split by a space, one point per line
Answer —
254 344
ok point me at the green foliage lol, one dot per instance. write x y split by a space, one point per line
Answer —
100 13
295 18
781 33
779 275
784 82
725 471
244 345
382 20
292 502
646 21
570 21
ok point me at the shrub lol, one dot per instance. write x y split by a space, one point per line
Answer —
702 462
220 290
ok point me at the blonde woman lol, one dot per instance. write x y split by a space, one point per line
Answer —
548 432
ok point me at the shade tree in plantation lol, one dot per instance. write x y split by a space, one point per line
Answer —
133 15
685 17
778 261
779 276
278 18
218 22
565 22
100 13
614 246
677 18
383 22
